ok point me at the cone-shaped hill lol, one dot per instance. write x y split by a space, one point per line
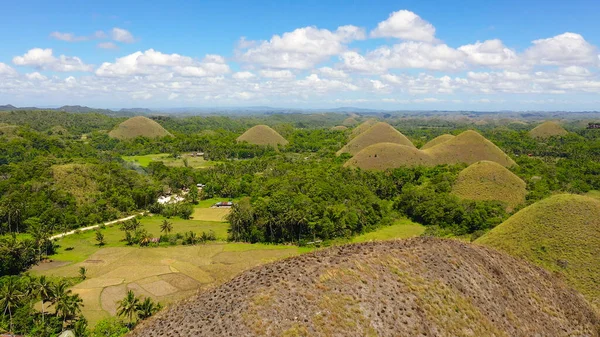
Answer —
383 156
468 147
262 135
415 287
139 126
378 133
364 126
350 121
561 234
547 130
339 128
437 140
488 180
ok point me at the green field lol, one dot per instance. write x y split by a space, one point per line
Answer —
401 229
167 159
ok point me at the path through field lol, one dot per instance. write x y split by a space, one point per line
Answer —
58 236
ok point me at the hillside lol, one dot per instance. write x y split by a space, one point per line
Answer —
80 180
560 233
339 128
468 147
414 287
9 131
378 133
138 126
364 126
547 130
262 135
487 180
350 121
382 156
437 140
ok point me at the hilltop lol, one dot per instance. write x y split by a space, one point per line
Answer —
437 140
339 128
350 121
262 135
364 126
547 130
138 126
378 133
561 234
414 287
468 147
382 156
487 180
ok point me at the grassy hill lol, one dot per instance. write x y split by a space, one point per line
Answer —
468 147
378 133
413 287
547 130
350 121
364 126
8 131
262 135
339 128
78 179
487 180
437 140
561 234
138 126
382 156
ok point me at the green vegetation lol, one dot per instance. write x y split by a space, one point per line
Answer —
400 229
262 135
383 156
560 233
487 180
547 130
378 133
139 127
169 160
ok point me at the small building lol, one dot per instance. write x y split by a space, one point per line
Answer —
223 204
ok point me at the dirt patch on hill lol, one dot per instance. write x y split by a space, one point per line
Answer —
416 287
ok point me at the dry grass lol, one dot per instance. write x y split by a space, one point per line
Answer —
487 180
364 126
77 179
383 156
413 287
547 130
437 140
339 128
469 147
350 121
378 133
262 135
210 214
560 233
139 126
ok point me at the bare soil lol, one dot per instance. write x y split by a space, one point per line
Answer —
415 287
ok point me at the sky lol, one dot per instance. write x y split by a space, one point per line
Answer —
394 55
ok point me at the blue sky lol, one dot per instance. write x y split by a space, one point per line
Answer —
476 55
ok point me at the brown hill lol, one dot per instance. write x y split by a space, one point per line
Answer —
560 233
415 287
469 147
382 156
364 126
547 130
350 121
437 140
487 180
378 133
139 126
339 128
262 135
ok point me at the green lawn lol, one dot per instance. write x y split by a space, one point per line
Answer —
193 162
84 244
209 202
401 229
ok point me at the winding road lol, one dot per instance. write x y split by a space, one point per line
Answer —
58 236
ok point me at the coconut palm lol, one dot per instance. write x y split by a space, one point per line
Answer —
147 308
10 296
43 288
166 226
100 238
82 273
128 306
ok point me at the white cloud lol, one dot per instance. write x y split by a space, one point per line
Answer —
378 85
575 71
564 49
173 96
122 35
333 73
302 48
107 45
243 75
321 85
43 59
36 76
68 37
6 70
405 25
492 53
280 74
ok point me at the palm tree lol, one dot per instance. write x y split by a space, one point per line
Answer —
147 308
10 296
100 238
166 226
128 306
82 273
43 288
